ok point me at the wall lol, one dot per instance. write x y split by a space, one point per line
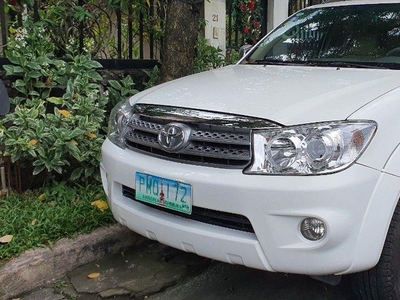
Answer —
215 17
277 13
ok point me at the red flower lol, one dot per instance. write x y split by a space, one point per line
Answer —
256 24
247 30
252 5
243 7
13 2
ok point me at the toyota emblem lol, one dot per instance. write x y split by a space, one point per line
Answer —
174 136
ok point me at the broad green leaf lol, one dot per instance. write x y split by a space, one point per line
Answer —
55 100
92 64
14 60
42 154
34 74
95 76
58 169
72 146
45 94
67 96
115 84
76 174
10 69
40 85
34 66
21 89
34 93
19 82
38 170
18 70
32 153
58 63
70 87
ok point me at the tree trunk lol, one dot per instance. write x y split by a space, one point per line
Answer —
181 34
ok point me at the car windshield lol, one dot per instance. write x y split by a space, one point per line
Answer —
363 36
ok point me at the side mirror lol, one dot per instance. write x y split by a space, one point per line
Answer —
4 100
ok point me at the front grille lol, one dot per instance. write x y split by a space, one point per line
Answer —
215 139
213 217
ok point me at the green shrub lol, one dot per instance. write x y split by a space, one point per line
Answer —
232 56
208 57
120 90
59 112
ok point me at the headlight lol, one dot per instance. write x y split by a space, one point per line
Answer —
119 119
309 149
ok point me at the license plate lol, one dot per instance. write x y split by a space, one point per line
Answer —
164 192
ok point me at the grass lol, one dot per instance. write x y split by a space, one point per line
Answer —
40 218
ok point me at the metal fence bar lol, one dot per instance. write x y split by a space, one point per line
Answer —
141 36
81 29
151 14
130 30
229 15
119 33
264 12
3 27
296 5
36 11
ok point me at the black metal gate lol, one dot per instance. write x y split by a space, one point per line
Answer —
134 42
296 5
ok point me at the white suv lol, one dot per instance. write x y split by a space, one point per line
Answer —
288 161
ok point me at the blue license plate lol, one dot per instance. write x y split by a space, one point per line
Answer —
164 192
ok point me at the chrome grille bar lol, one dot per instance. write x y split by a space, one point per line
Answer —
219 140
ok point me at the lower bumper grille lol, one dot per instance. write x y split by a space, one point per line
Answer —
213 217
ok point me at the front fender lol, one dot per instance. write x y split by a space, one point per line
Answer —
392 165
378 216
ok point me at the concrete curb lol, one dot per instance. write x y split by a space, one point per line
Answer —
43 266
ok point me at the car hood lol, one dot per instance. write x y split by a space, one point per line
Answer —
288 95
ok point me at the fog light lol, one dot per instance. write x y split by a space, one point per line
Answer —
313 229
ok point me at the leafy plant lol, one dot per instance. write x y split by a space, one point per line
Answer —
154 75
119 90
56 125
208 57
232 56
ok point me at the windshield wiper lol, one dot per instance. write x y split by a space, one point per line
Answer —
277 62
337 64
347 64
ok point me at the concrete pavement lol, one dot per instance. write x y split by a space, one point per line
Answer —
138 272
142 269
45 266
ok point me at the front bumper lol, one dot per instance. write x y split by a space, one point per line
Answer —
356 205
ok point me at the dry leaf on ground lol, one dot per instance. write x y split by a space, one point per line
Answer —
93 275
6 239
100 204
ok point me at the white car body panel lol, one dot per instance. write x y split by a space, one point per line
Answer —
249 88
384 111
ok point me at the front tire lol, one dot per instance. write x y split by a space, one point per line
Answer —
383 281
